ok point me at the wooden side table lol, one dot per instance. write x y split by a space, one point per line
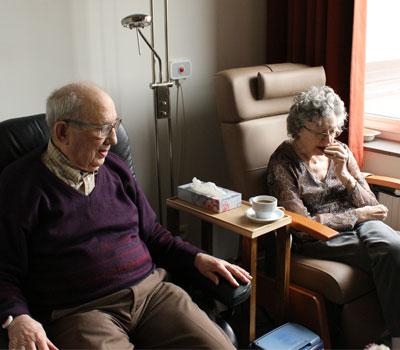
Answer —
236 221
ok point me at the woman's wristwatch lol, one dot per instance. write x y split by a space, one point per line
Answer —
7 322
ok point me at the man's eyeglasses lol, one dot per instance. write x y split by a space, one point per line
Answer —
334 133
104 130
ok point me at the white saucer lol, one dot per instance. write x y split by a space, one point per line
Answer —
278 214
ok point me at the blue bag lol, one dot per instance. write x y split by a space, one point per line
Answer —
290 336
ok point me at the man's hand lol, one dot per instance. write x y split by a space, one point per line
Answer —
211 267
27 334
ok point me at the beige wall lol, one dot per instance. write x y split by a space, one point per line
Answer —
47 43
381 164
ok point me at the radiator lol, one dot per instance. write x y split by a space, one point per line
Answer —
392 202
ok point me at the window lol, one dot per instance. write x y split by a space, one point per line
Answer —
382 73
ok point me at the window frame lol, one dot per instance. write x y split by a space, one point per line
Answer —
389 127
377 74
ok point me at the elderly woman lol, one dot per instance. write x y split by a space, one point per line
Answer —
315 175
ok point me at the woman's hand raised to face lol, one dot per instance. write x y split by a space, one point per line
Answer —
339 156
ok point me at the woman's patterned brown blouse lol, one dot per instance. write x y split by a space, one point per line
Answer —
328 202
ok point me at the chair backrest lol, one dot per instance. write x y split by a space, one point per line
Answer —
253 104
19 136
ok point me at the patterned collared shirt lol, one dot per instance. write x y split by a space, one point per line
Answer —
59 164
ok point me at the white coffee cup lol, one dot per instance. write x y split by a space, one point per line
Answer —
264 206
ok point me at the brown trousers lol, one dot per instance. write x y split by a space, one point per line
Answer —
153 314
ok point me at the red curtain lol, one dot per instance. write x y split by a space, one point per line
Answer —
357 81
329 33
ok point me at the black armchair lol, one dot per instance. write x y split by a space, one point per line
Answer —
19 136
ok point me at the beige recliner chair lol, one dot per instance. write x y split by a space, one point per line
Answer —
335 300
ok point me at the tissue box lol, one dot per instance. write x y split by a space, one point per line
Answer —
216 204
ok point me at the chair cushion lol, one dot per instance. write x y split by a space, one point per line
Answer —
18 136
288 83
250 150
337 282
238 89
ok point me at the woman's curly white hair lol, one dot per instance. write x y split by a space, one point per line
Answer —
314 104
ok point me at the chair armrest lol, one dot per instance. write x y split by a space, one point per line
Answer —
224 292
311 227
384 181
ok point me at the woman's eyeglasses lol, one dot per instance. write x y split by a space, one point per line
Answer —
333 134
104 130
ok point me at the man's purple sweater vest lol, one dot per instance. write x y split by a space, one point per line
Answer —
60 248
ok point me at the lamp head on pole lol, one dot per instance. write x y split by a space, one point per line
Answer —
139 21
136 21
160 89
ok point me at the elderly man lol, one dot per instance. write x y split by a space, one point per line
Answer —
81 251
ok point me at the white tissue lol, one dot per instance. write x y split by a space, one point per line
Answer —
208 188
